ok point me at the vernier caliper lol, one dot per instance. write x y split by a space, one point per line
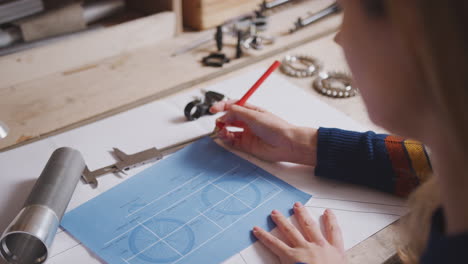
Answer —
127 162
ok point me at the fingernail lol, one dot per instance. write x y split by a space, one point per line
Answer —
297 205
256 229
275 212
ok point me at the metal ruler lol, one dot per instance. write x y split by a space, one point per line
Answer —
126 162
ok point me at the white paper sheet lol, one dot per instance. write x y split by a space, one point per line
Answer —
361 212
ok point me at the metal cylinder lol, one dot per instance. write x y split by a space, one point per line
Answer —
28 238
95 11
10 36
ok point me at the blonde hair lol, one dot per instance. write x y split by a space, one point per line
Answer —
415 227
435 33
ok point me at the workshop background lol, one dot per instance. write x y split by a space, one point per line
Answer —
65 64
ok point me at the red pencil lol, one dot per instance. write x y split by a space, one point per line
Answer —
249 93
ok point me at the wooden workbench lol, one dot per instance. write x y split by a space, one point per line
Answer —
40 97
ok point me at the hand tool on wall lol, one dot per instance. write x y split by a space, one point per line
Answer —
231 27
303 22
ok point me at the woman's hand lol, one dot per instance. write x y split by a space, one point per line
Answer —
307 245
265 135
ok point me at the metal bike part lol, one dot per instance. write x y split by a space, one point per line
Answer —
228 27
215 60
308 66
198 108
28 238
255 40
303 22
239 51
219 38
127 162
260 24
334 84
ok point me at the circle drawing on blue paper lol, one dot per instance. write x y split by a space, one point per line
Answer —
164 227
249 195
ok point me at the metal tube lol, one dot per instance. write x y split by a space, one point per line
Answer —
95 11
28 238
10 36
41 42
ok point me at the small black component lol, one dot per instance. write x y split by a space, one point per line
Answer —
215 60
192 114
260 24
259 13
213 97
239 51
219 37
197 108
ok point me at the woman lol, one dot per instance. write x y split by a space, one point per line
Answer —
409 58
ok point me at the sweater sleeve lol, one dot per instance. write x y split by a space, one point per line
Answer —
384 162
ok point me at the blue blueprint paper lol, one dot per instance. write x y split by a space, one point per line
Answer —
197 206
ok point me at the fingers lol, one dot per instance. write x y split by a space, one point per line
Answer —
238 113
290 232
271 242
221 106
245 140
332 230
310 228
232 138
226 105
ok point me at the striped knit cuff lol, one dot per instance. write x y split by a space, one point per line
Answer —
410 163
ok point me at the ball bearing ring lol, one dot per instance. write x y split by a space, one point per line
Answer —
310 66
334 84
